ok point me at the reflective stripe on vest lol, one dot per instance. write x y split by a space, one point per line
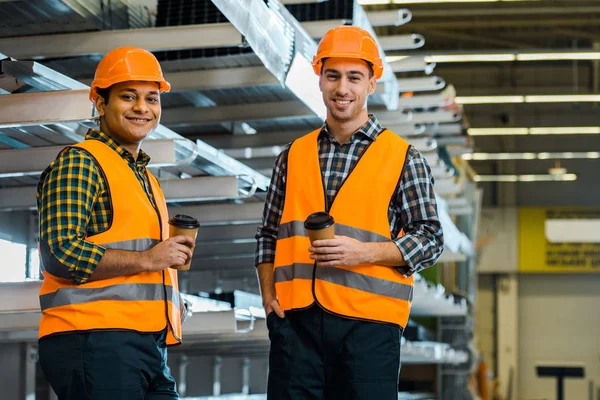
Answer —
346 278
360 209
143 302
122 292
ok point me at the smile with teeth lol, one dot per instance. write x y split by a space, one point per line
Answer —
342 102
138 119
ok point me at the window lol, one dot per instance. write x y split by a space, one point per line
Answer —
13 261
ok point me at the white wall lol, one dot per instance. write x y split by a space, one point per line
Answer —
499 236
559 320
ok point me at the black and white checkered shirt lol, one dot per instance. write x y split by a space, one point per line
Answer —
414 207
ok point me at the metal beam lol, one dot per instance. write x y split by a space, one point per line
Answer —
398 17
199 189
446 129
22 162
568 8
163 38
412 64
219 78
40 76
425 84
443 98
402 42
100 42
289 2
243 112
206 158
44 108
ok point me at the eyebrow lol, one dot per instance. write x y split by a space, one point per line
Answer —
348 73
131 90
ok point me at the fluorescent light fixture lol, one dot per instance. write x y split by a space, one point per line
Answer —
489 99
497 131
561 98
451 58
529 156
567 130
373 2
508 57
555 98
526 178
558 56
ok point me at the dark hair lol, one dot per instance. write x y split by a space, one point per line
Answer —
369 64
104 93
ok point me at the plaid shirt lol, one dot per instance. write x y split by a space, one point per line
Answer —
414 207
73 203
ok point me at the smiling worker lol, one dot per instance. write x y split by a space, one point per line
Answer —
336 309
110 304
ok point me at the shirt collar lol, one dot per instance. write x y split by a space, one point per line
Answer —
142 160
369 130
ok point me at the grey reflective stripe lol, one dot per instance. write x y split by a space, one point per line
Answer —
120 292
174 297
286 273
359 234
292 228
134 245
296 228
365 283
51 264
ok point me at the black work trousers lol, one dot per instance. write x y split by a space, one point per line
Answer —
107 365
318 355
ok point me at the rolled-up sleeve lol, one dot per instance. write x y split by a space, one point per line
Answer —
267 231
423 239
66 195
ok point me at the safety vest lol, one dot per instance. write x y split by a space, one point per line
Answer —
360 210
144 302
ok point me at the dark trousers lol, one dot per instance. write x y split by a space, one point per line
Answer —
107 366
317 355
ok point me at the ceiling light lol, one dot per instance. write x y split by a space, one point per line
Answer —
450 58
529 156
567 130
556 98
560 98
558 56
525 178
489 99
508 57
497 131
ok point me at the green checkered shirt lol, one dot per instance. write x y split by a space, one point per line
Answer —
73 203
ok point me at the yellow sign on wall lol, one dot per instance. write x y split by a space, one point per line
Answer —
559 239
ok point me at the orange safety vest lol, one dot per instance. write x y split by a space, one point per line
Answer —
144 302
360 210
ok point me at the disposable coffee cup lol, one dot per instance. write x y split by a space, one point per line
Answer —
185 225
319 226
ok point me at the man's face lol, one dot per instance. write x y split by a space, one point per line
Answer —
132 112
346 83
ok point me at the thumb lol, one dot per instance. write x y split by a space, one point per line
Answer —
277 309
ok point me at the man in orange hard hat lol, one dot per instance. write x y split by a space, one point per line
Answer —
336 308
110 304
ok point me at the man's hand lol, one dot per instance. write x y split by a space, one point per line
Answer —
340 251
175 251
266 279
271 304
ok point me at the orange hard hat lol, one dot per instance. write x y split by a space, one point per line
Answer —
127 64
348 42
